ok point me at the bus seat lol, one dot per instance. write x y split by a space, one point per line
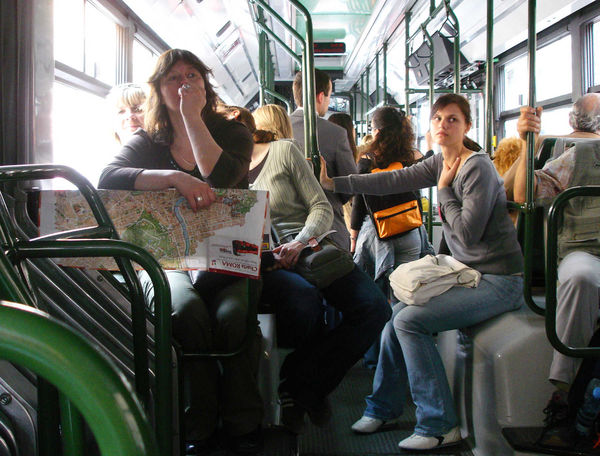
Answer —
498 373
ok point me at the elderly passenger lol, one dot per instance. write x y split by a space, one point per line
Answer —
578 289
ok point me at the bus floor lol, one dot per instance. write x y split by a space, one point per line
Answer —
336 439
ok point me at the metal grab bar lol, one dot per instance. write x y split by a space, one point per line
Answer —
31 339
308 70
72 246
554 217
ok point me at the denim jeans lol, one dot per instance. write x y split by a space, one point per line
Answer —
408 356
320 361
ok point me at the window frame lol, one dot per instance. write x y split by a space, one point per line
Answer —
578 25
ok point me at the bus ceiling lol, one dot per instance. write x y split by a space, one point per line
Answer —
223 34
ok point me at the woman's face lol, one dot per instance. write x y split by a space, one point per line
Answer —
180 73
129 119
449 126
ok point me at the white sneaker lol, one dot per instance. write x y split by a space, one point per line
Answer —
421 442
368 425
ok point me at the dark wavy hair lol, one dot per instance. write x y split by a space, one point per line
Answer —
157 122
395 141
465 108
345 121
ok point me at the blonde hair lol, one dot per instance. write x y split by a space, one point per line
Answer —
129 95
275 119
506 153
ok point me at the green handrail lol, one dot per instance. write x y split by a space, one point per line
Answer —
162 318
33 340
308 70
529 206
105 229
489 78
554 219
17 250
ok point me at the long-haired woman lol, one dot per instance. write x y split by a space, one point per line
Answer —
188 146
479 234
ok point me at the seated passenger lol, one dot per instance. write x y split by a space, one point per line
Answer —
273 118
578 289
479 234
581 120
300 211
128 101
506 153
188 146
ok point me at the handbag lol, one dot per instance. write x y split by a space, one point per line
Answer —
399 218
321 263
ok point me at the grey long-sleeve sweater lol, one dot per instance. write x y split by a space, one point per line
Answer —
476 225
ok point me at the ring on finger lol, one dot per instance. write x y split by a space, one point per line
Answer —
199 199
186 86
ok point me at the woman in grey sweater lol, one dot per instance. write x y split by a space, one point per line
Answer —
480 234
300 212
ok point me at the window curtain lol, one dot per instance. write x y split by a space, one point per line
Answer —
16 81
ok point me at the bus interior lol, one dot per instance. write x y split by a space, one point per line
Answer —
61 58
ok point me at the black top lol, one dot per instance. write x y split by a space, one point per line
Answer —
359 208
141 152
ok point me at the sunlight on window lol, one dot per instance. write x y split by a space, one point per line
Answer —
143 62
100 45
556 122
82 133
552 79
553 69
68 32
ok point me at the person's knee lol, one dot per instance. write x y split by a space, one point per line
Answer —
408 320
191 326
575 280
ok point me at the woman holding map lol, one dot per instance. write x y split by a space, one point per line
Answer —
188 146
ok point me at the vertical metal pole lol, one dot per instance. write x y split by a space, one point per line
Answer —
529 204
368 93
262 38
362 103
431 95
376 79
308 91
489 78
406 65
385 101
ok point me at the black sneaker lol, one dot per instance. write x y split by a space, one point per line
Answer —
320 414
558 431
292 413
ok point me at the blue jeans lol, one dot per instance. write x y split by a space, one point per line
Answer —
408 356
320 361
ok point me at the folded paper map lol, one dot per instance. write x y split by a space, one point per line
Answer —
225 237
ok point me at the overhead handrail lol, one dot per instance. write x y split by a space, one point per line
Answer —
554 218
102 395
308 69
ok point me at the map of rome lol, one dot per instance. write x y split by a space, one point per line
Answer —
163 223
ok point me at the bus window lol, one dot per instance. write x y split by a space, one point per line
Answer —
516 76
144 59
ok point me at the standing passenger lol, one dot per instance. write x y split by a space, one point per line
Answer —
333 146
393 142
480 234
190 147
